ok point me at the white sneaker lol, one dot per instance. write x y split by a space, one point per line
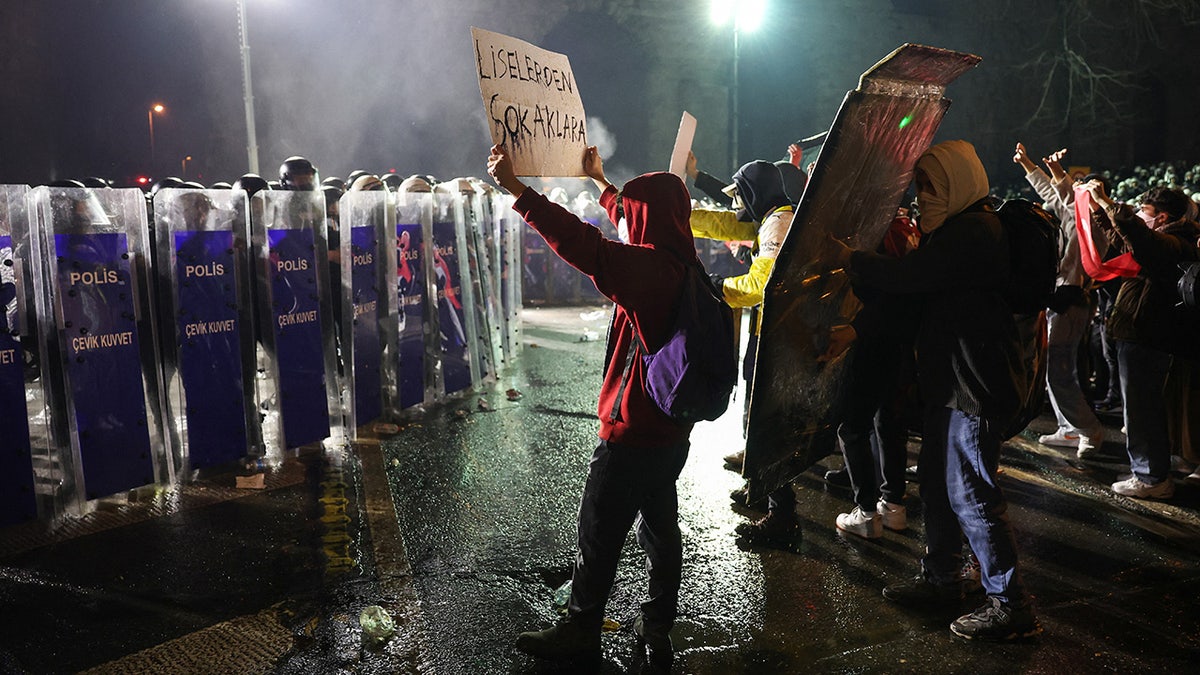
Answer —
1134 487
868 525
894 516
1090 444
1062 437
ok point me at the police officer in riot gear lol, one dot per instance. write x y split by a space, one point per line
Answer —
297 173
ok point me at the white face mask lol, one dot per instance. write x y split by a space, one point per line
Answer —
1149 219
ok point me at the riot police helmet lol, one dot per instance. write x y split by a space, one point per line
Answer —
297 173
251 183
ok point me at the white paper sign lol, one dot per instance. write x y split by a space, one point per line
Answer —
683 144
532 105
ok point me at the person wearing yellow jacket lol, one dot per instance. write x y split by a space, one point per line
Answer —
762 190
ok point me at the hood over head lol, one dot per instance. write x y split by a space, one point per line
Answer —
657 210
958 181
761 188
794 181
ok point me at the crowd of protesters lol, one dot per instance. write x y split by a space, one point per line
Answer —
935 290
933 327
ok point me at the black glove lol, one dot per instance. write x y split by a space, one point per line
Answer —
718 282
1066 297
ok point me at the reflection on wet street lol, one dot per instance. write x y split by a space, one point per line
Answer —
486 499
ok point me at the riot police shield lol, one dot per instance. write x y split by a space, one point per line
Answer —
298 394
477 266
365 222
418 344
509 247
456 321
96 329
206 324
24 445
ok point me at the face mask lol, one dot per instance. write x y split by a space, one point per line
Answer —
1149 219
933 211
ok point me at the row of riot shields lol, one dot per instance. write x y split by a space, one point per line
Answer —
143 346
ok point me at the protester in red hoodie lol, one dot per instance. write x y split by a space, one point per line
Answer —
641 452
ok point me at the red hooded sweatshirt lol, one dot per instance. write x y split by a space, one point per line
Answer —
644 278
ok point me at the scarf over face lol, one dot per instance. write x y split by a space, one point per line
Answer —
957 179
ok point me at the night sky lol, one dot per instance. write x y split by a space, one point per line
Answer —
374 85
389 84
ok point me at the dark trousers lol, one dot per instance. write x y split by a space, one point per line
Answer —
958 461
629 487
873 434
1143 377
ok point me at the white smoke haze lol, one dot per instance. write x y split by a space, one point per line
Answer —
599 136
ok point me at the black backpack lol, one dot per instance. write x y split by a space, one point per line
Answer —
1033 247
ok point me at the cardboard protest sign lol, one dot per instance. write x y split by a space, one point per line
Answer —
532 105
683 145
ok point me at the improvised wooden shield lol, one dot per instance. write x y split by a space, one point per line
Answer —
865 165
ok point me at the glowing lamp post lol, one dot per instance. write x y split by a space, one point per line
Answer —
247 91
156 108
745 16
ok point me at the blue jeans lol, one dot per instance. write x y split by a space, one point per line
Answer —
1143 376
1066 331
958 461
629 487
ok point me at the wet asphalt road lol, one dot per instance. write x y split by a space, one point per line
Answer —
462 524
486 498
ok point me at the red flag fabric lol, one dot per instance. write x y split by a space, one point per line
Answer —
1097 268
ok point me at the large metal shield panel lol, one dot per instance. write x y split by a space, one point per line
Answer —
880 131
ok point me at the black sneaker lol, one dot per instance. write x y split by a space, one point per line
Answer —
741 497
777 530
997 621
920 592
654 646
565 641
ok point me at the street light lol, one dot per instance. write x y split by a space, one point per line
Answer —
247 91
746 16
156 108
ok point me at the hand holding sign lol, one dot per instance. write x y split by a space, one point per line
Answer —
500 168
593 166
